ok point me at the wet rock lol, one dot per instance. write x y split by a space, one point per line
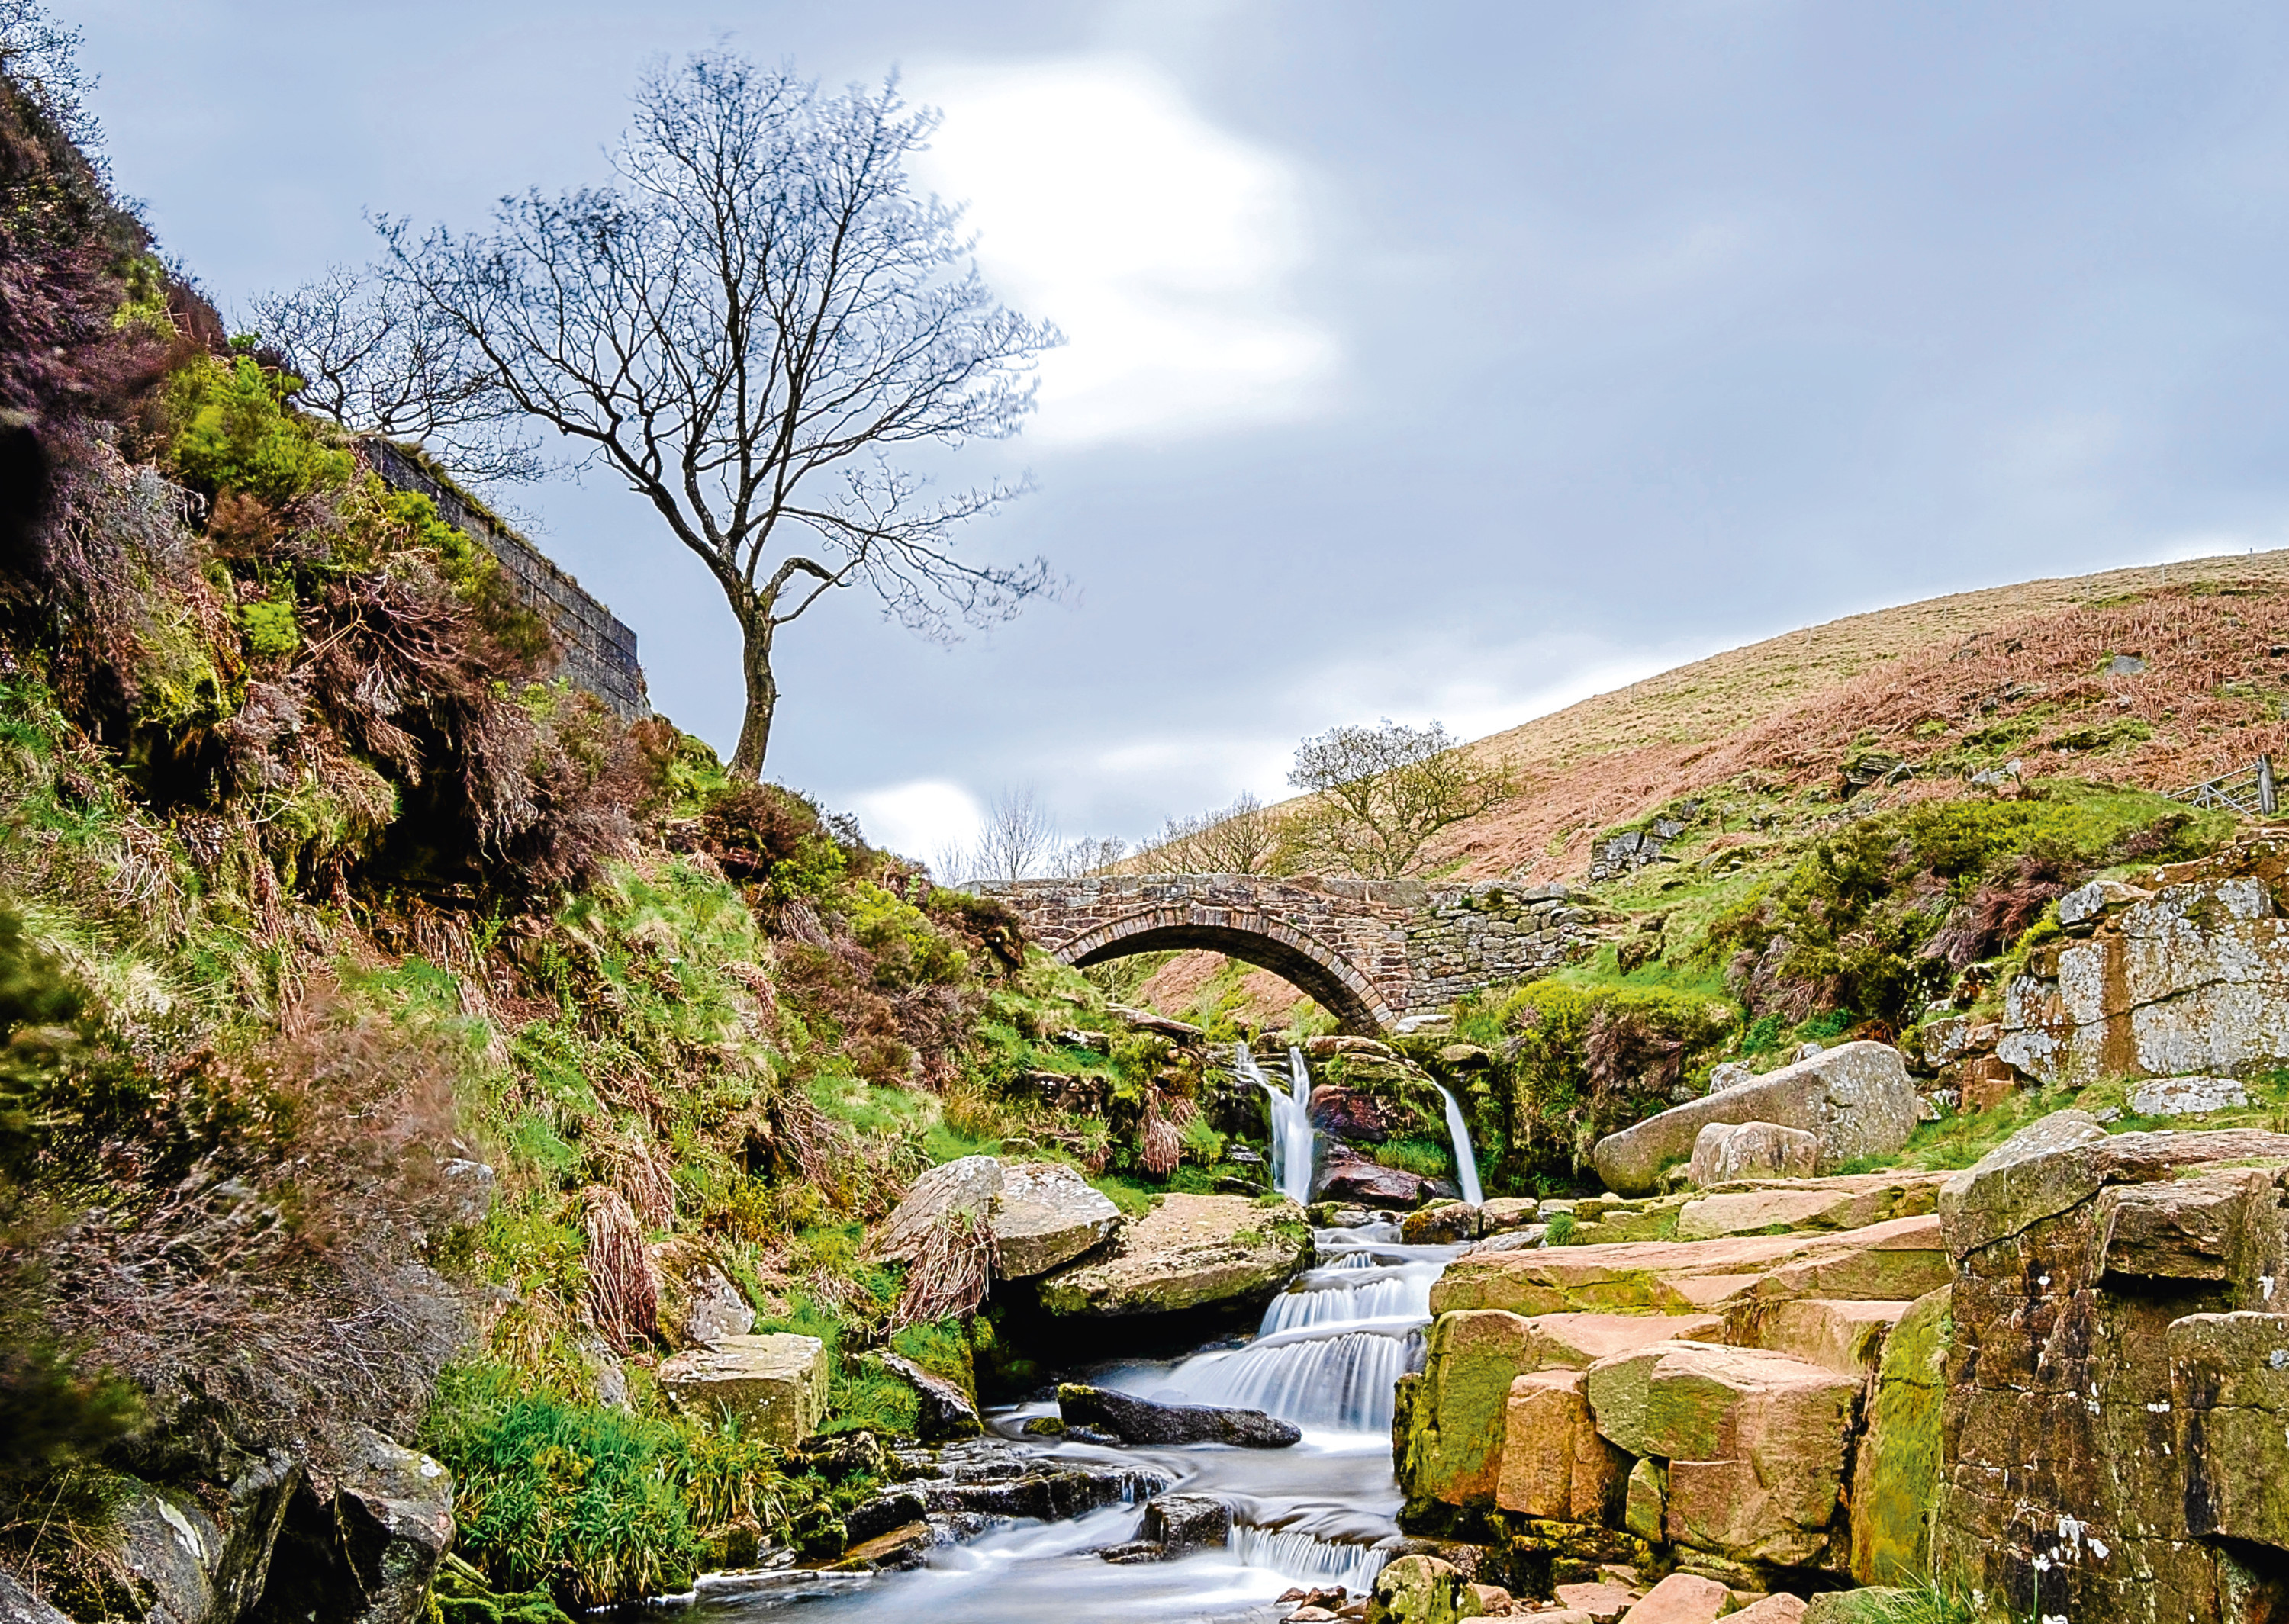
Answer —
1138 1420
1895 1470
2186 1096
1726 1151
1554 1464
1756 1442
1337 1215
1421 1590
1354 1179
775 1385
993 1477
945 1411
1507 1213
899 1549
1442 1224
1180 1523
1189 1252
1855 1098
891 1508
1353 1117
1135 1551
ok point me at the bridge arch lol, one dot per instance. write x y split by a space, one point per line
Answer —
1251 935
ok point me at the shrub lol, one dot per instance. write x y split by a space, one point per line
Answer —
234 432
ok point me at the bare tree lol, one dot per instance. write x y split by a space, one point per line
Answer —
1380 794
1018 837
1076 859
378 361
1243 838
41 58
748 325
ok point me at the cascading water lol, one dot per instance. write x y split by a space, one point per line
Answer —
1292 1137
1467 1161
1327 1355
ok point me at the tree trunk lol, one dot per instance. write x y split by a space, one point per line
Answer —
762 699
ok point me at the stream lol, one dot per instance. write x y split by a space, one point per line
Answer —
1325 1357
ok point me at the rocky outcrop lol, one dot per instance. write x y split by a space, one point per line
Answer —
1189 1252
1139 1421
943 1411
1422 1590
992 1477
2106 1436
363 1543
775 1386
1353 1178
1041 1215
1727 1152
2192 980
1855 1099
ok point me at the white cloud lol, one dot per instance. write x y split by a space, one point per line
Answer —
921 819
1167 249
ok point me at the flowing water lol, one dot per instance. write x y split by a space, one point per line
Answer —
1325 1357
1467 1161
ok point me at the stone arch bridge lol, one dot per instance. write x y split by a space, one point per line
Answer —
1370 952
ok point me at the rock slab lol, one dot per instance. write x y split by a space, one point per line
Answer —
1189 1252
1855 1099
1724 1151
774 1385
1139 1421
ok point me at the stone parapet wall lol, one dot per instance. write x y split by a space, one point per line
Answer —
596 651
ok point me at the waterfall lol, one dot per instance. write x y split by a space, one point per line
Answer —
1309 1561
1291 1122
1467 1161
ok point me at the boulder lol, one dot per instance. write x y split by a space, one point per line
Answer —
1850 1201
1189 1252
712 1308
1756 1442
1040 1214
2186 1096
1554 1464
944 1411
202 1558
1452 1448
1180 1523
1504 1214
775 1385
1442 1224
1353 1116
1362 1183
1682 1598
897 1549
19 1605
1730 1074
1645 1501
1603 1602
1855 1099
362 1544
2230 1383
993 1477
1898 1260
1045 1214
1724 1151
1845 1337
1781 1608
1575 1342
1139 1421
1421 1590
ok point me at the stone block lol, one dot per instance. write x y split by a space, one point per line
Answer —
1442 1224
1982 1082
2022 1181
1756 1442
1845 1337
1855 1099
1603 1602
1575 1342
2186 1096
774 1385
1452 1447
1851 1202
1188 1251
2230 1381
1045 1214
1780 1608
1645 1501
1724 1151
1895 1470
1682 1598
1554 1464
1504 1213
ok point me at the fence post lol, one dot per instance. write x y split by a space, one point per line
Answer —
2265 799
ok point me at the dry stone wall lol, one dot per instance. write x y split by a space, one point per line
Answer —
597 651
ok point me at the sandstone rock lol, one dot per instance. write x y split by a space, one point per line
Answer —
1846 1203
993 1477
2230 1381
1575 1342
1898 1260
1682 1598
1187 1522
2184 1097
1442 1224
1353 1116
1723 1151
1645 1501
1421 1590
1730 1074
1369 1183
1554 1464
969 1184
775 1385
713 1307
2020 1181
2086 904
1046 1214
1494 1601
1188 1251
1601 1602
1452 1449
1504 1214
895 1550
1778 1608
1755 1441
945 1411
1845 1337
1857 1099
1139 1421
1895 1470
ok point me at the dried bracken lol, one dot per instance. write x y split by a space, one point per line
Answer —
623 1298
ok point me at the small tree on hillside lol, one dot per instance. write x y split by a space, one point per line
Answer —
1244 838
748 325
1380 794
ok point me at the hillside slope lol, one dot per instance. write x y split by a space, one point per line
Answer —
1952 685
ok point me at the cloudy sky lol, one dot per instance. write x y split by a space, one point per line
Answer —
1435 359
